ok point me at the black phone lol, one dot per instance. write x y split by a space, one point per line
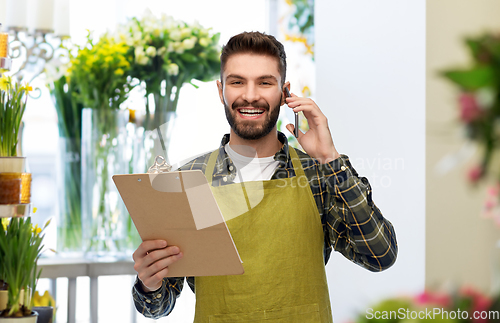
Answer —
296 130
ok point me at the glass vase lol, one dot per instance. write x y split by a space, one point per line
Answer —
147 144
69 223
104 138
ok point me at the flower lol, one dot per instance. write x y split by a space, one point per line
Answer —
151 51
204 42
469 109
433 298
13 99
36 230
5 82
19 269
189 43
45 300
475 173
173 69
5 223
166 53
101 67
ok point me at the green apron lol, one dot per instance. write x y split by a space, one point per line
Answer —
280 241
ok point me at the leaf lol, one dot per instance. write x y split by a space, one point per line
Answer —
188 57
474 46
473 79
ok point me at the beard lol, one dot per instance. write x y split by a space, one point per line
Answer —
248 130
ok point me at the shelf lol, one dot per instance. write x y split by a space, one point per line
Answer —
14 210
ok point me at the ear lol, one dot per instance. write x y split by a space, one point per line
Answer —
221 92
283 95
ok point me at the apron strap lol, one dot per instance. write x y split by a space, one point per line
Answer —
297 165
209 171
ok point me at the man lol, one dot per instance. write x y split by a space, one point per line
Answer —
286 239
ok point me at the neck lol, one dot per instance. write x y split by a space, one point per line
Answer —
264 147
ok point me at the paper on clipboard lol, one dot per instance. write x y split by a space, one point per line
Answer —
179 207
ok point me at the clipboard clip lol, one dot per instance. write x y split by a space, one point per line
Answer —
160 166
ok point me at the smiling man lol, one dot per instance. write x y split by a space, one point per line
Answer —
285 239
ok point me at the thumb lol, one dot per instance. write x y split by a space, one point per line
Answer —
291 127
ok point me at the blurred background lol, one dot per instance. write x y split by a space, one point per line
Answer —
387 75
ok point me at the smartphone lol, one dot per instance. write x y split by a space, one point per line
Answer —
296 130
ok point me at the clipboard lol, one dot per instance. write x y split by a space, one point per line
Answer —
179 207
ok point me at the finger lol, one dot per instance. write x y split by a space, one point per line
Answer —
152 275
147 246
155 256
290 127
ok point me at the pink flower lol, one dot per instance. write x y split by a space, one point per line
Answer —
480 302
475 173
433 298
469 109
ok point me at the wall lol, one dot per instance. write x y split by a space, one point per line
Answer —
370 59
459 241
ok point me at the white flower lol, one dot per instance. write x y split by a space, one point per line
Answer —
204 42
161 51
178 48
139 50
137 36
142 59
151 51
173 69
156 32
189 43
140 56
175 35
186 32
203 32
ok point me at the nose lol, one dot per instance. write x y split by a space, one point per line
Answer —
251 93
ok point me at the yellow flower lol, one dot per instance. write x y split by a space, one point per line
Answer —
119 72
5 223
27 87
5 82
36 230
45 300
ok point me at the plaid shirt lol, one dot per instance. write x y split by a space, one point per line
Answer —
352 224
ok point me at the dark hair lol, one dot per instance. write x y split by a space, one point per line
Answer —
257 43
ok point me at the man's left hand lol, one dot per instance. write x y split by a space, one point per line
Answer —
317 141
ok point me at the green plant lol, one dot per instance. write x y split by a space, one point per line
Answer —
13 98
478 86
69 122
20 248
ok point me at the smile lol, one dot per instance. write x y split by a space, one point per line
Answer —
251 112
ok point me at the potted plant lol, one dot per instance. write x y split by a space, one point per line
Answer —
13 98
20 249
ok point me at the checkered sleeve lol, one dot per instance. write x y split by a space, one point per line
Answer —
158 303
356 227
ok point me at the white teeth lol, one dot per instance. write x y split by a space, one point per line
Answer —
251 111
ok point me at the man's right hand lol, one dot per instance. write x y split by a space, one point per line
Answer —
152 259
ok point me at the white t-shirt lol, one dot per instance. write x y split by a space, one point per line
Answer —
252 168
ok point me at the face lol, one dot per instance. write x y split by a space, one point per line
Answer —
252 94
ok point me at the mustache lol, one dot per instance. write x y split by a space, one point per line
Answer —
242 104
